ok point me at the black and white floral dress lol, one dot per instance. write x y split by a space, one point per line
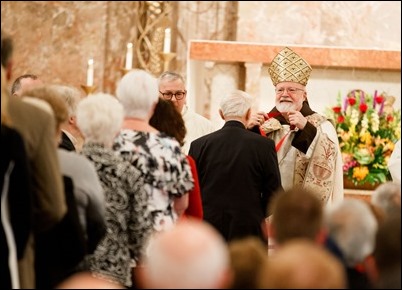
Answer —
128 221
164 168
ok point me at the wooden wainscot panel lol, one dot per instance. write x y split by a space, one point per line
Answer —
327 57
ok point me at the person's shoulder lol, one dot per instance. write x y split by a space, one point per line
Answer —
72 155
11 136
204 138
259 139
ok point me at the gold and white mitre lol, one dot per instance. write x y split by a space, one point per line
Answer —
288 66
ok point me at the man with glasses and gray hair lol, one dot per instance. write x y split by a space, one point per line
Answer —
307 145
172 87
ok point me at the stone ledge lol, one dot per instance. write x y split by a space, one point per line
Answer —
324 57
357 193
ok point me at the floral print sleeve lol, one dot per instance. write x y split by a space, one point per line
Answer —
163 166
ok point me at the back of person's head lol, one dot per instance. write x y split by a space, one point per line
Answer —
302 264
5 118
247 257
169 76
190 255
387 252
24 83
168 120
85 280
352 226
236 104
138 93
49 94
6 49
100 117
387 197
70 96
296 213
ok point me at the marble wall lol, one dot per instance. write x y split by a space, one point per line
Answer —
55 39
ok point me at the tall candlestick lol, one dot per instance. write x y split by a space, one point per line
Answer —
166 44
129 56
90 73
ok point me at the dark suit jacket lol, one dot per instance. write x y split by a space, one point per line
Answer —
66 142
60 249
37 128
238 173
16 183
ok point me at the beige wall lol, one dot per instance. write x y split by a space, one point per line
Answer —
365 25
359 24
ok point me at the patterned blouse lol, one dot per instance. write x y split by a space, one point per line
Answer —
164 168
128 222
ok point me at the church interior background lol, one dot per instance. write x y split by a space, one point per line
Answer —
55 39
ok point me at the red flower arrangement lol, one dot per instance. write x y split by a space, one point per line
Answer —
367 128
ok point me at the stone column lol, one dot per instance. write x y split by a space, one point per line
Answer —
252 81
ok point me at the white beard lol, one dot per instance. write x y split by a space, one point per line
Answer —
285 107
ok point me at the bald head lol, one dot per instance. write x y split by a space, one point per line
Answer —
191 255
25 83
85 280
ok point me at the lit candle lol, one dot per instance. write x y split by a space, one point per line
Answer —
166 44
90 73
129 56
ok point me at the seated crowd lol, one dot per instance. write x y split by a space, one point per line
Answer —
120 191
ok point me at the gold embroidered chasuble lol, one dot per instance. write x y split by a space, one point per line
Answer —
317 170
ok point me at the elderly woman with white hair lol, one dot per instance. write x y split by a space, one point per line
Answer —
165 168
128 221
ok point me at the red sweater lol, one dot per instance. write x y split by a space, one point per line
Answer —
194 208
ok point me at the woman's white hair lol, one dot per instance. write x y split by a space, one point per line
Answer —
138 92
100 117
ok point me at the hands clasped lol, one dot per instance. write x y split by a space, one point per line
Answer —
295 118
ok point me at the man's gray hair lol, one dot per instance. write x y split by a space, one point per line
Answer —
236 104
387 197
169 76
353 226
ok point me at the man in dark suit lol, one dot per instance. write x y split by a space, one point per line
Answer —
66 143
71 137
238 172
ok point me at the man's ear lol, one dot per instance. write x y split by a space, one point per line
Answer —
71 120
248 114
9 70
221 114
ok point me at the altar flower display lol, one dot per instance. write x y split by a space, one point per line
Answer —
368 127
